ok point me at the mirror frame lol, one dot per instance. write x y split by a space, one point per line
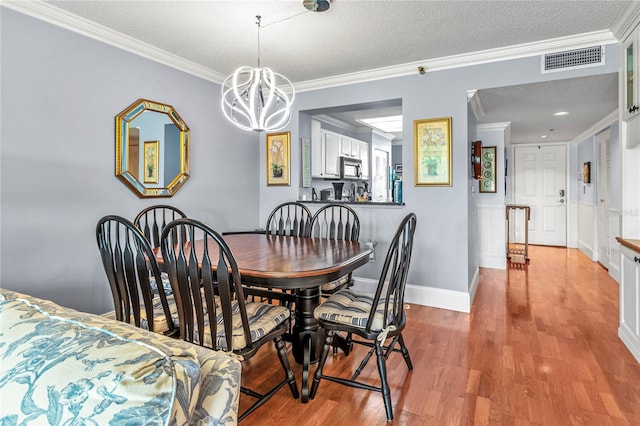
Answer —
122 142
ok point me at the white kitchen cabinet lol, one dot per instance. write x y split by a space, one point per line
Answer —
629 330
325 153
630 98
331 151
327 147
364 157
349 147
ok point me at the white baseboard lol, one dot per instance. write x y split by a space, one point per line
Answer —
427 296
630 339
614 272
493 262
587 250
474 286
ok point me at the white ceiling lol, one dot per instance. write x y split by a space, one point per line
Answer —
363 40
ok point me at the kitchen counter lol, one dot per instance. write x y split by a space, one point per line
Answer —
364 203
630 244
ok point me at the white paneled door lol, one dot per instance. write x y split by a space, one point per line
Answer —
540 182
603 173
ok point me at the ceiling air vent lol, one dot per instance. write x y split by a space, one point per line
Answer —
571 59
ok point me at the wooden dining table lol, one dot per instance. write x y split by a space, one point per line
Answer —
301 265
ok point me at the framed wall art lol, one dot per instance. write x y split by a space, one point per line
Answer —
151 161
432 151
586 172
278 163
488 169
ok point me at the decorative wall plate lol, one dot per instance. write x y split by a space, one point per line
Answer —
488 172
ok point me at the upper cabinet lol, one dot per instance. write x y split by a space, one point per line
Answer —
326 149
325 152
631 95
631 108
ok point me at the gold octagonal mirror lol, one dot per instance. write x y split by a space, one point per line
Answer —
152 149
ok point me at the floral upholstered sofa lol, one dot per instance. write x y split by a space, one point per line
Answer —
63 367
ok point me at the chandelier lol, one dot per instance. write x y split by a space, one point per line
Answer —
257 98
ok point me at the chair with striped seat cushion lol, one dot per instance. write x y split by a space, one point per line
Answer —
222 319
262 318
352 307
374 318
336 221
130 266
159 319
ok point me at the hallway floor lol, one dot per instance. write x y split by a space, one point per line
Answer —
539 348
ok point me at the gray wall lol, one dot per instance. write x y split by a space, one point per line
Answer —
443 236
473 200
60 94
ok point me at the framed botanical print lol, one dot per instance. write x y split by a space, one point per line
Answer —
432 151
151 161
278 163
488 169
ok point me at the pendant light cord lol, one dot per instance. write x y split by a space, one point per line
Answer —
259 24
258 19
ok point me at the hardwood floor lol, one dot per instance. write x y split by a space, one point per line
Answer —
540 347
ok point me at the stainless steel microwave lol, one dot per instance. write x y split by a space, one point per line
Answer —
350 168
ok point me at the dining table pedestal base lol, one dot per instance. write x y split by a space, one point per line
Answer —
307 339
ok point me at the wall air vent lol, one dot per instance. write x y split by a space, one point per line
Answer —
572 59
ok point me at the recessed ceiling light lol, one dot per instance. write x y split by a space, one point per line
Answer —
544 136
560 113
391 124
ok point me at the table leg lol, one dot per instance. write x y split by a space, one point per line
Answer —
306 345
306 325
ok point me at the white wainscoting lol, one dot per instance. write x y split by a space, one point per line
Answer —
492 227
586 230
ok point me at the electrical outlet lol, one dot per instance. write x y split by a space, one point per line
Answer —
371 245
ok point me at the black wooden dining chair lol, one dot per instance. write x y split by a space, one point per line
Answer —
212 308
152 220
336 222
290 218
132 270
375 318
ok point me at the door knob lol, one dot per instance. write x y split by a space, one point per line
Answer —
561 200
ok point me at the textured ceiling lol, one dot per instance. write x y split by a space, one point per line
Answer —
358 36
530 107
352 36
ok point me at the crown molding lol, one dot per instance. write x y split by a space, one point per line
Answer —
473 98
71 22
577 41
53 15
597 128
628 20
494 126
